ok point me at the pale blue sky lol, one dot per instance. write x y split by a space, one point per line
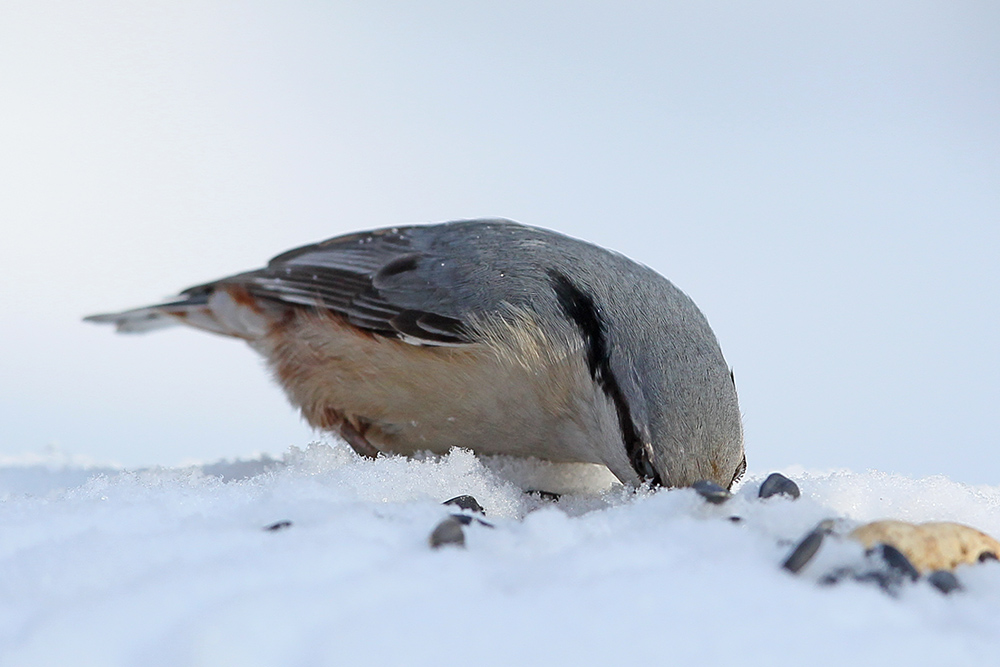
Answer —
822 178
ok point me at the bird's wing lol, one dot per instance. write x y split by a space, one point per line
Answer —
389 282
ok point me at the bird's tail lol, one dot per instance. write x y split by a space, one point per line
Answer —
221 309
149 318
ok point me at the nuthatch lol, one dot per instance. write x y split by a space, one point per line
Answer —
484 334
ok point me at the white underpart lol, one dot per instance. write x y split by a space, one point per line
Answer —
238 319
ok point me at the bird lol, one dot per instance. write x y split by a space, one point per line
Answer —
485 334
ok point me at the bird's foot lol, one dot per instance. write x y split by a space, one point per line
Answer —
355 437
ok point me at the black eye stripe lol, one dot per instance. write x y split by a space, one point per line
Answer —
579 307
740 469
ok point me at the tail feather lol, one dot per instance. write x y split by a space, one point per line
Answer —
209 309
137 320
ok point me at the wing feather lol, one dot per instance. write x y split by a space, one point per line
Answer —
371 279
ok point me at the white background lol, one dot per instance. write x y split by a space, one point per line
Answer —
822 178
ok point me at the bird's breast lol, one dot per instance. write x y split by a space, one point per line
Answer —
514 391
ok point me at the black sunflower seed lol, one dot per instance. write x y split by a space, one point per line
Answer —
778 484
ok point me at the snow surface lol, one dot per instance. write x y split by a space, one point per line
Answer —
173 567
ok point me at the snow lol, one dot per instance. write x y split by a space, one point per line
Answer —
172 566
